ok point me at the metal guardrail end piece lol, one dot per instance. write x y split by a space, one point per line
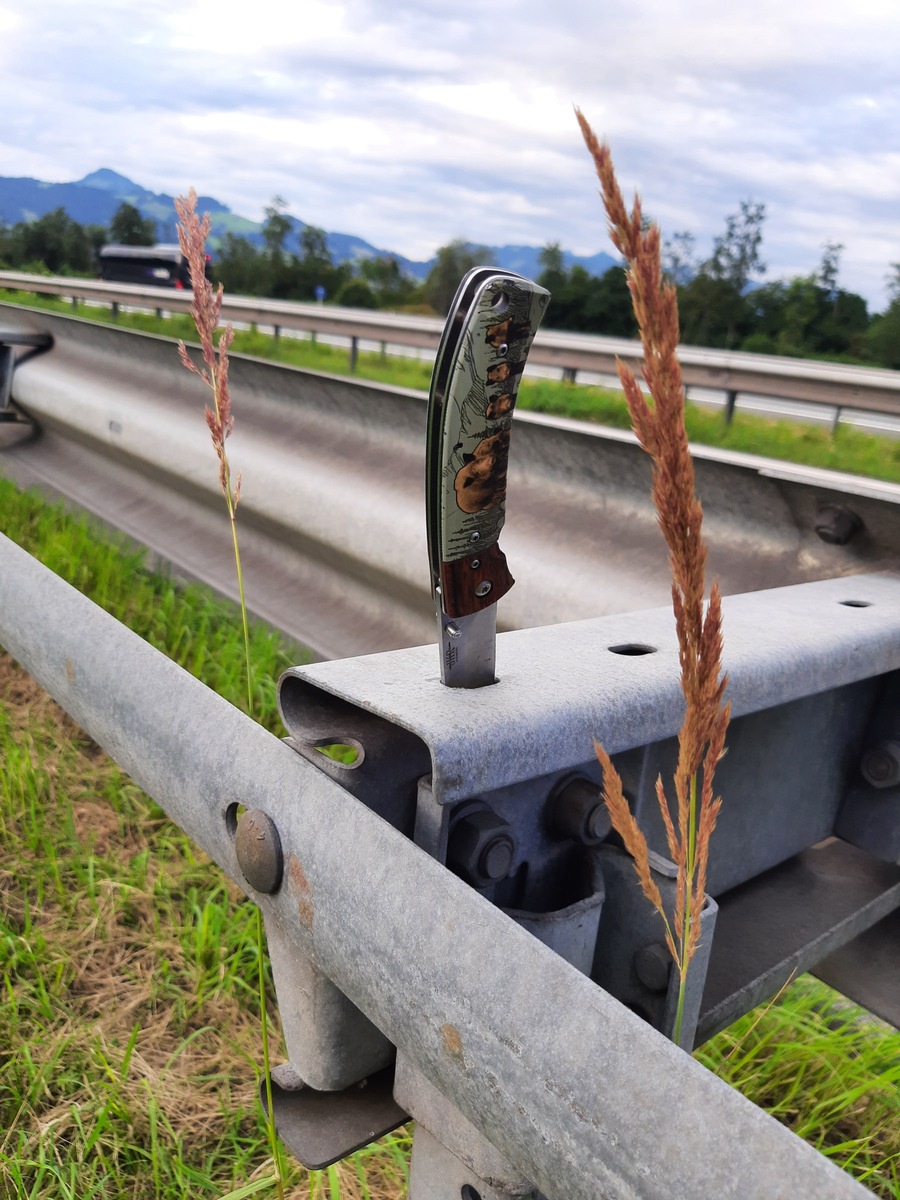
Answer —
320 1128
37 343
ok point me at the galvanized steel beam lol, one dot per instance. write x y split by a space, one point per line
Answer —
578 1093
332 506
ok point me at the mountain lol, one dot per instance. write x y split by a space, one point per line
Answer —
94 199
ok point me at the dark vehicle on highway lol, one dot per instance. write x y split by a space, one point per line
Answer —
150 266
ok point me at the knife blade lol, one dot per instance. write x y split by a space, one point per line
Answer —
488 334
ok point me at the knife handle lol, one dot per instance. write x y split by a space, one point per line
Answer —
477 409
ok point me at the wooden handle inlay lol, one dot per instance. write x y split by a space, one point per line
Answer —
463 581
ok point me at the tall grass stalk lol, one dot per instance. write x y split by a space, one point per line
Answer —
206 310
659 427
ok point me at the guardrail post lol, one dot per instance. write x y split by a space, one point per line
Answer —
730 405
276 333
114 309
837 419
569 374
354 352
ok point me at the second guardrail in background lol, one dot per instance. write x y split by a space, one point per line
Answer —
840 386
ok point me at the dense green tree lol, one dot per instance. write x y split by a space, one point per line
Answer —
735 255
554 275
804 316
239 266
315 268
314 247
679 257
882 338
583 302
356 293
453 261
829 267
714 305
129 228
276 227
57 241
390 286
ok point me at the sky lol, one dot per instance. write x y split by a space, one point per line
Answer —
410 124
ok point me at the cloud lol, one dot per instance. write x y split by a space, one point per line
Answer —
409 123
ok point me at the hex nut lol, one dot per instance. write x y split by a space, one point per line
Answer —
481 848
258 849
880 764
576 811
836 524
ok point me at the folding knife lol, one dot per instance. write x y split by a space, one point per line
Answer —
479 365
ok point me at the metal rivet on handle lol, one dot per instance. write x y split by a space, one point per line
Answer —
483 588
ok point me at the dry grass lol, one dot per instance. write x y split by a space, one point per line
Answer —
660 429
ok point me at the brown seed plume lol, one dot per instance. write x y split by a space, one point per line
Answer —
659 427
206 309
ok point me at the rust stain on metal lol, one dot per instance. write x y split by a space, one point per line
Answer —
70 672
453 1046
303 889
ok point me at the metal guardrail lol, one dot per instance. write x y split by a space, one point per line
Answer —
525 1077
332 499
866 389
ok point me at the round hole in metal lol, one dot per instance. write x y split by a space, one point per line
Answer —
232 812
632 649
856 603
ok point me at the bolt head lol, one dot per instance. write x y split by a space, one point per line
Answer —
258 849
577 812
482 848
836 524
880 764
653 965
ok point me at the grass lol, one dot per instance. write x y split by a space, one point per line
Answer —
129 1023
827 1070
846 450
129 1031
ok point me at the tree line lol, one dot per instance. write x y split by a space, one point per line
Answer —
722 305
721 302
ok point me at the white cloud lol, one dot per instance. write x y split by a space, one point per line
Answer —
409 122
